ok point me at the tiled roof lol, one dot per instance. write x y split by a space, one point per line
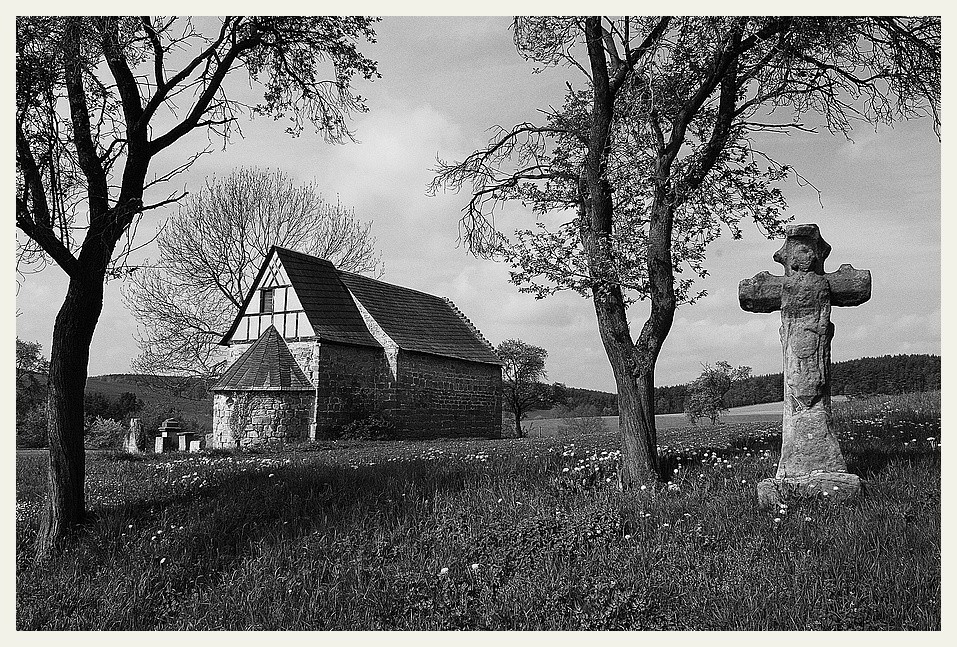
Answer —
415 320
266 365
418 321
329 308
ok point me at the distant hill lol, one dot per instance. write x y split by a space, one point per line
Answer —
887 374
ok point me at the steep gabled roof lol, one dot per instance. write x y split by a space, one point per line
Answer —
418 321
266 365
329 308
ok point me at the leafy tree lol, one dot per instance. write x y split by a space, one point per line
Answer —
558 394
98 405
98 99
29 358
31 393
523 372
645 164
706 394
210 252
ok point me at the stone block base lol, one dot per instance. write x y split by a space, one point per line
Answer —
835 486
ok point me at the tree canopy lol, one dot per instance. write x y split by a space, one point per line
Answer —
706 395
522 373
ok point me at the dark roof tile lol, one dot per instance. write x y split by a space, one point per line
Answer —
330 310
418 321
266 365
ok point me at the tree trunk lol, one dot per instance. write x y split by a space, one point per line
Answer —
636 387
69 360
518 425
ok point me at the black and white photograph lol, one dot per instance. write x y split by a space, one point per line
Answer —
418 323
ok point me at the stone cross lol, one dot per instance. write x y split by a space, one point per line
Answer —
811 457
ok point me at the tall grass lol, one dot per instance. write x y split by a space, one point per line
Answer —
512 534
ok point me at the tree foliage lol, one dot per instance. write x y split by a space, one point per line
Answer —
31 394
98 100
523 372
706 395
640 168
210 252
29 358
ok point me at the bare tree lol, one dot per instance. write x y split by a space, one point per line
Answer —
647 163
98 99
210 252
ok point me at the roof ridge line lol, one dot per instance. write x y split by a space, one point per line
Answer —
309 256
471 326
391 285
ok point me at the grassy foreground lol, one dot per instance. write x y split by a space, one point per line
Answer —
510 534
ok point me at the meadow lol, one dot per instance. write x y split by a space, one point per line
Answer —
527 533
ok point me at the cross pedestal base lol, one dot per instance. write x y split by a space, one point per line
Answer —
833 486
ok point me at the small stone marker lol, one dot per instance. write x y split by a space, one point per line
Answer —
811 459
135 441
166 436
185 438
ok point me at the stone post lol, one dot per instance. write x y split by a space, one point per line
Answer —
811 459
184 438
135 441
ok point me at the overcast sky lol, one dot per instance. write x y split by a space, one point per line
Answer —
444 82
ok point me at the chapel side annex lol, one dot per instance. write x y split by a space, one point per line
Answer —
314 348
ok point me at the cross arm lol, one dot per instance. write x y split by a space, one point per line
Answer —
849 287
761 293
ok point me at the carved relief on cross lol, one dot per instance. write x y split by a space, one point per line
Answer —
804 295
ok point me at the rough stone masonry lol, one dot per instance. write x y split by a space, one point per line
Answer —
811 459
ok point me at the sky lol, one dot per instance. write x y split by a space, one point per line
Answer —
444 82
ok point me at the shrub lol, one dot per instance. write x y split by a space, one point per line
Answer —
582 425
103 433
368 428
32 427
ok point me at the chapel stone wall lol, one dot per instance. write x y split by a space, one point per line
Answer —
352 382
265 418
441 396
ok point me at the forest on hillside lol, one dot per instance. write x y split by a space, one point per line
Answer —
887 374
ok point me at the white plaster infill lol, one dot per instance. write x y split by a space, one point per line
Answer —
380 335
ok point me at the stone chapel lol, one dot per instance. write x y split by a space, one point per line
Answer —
314 348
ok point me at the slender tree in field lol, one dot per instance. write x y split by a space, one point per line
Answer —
98 99
643 165
523 372
210 252
706 393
